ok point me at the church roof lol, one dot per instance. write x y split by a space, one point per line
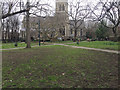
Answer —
36 19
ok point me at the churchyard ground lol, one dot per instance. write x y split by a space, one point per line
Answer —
58 66
110 45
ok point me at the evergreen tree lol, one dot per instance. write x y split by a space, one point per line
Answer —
102 31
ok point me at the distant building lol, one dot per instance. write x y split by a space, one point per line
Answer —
22 34
81 32
57 23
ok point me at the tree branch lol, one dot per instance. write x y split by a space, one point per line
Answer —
11 14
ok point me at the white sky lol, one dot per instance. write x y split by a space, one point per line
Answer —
52 2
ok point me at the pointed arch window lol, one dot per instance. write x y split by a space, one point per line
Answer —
63 8
59 7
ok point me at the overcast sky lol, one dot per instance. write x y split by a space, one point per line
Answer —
52 2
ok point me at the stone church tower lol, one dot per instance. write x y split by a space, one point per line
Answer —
63 18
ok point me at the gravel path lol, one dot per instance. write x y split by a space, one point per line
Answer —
22 47
103 50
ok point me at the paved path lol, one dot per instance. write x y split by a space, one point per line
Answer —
22 47
103 50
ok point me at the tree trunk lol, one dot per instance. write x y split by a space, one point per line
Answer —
3 31
115 34
28 39
75 35
12 35
9 35
5 36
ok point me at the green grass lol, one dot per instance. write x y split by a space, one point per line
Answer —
93 44
62 42
59 66
12 45
99 44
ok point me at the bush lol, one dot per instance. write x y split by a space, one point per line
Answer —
102 31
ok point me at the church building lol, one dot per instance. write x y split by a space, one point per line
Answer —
57 26
62 10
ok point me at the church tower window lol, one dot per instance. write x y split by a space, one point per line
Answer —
59 7
63 7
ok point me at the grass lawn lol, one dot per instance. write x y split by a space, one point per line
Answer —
61 42
59 66
12 45
99 44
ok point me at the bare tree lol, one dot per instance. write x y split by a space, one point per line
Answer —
78 13
28 39
110 11
9 27
32 8
10 8
14 25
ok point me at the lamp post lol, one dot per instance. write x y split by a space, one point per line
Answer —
39 31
